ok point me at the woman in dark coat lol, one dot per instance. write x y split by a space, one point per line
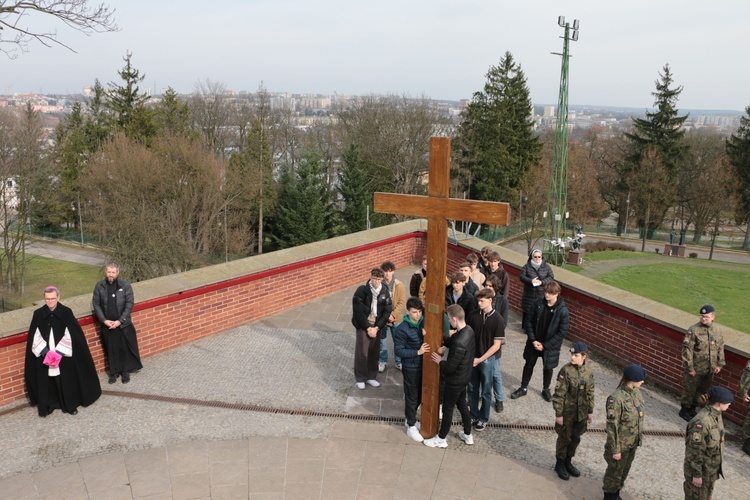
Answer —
546 329
59 370
535 275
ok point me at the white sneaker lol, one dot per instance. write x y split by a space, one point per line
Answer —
361 385
381 367
436 442
413 433
373 383
466 439
399 366
418 425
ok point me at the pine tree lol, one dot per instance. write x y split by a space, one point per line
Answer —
128 104
661 128
496 142
305 212
738 150
356 190
172 115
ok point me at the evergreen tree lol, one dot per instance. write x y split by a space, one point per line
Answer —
305 212
356 191
128 104
661 128
496 140
172 115
738 150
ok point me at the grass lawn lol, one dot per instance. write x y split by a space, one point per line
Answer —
71 278
688 287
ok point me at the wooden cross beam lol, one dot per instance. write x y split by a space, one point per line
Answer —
438 209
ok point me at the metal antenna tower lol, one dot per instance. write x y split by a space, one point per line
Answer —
557 201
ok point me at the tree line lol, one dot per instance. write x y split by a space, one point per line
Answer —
170 185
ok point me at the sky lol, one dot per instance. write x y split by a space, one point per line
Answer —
438 48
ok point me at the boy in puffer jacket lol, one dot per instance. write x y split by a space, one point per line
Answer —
409 345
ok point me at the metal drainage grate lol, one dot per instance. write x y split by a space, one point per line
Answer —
345 416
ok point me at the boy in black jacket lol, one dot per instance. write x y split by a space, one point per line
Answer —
456 372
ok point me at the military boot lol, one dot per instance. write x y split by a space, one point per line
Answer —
746 446
562 473
611 496
686 413
571 468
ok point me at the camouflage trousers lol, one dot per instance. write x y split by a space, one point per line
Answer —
702 493
569 437
694 387
617 470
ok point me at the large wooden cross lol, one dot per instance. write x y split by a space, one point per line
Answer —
438 208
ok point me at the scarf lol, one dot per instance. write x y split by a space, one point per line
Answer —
374 304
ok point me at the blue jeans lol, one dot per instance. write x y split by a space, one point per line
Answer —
384 344
481 385
497 386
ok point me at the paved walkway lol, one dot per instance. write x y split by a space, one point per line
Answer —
270 410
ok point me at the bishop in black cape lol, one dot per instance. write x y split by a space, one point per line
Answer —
77 384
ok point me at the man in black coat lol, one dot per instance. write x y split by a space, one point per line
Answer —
546 329
59 370
113 303
371 307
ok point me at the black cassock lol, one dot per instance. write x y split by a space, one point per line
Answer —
77 384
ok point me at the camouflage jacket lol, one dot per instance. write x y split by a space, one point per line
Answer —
745 381
703 349
574 392
625 411
704 440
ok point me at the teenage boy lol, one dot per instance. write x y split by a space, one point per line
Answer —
496 268
471 287
456 371
456 293
409 346
489 332
371 308
398 296
476 275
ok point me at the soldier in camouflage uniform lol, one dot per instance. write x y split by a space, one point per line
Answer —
704 441
624 410
573 402
744 390
702 358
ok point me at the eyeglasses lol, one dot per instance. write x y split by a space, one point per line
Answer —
537 257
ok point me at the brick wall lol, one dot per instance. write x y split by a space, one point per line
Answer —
192 314
612 331
165 322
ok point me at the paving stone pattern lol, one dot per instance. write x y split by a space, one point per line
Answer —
122 447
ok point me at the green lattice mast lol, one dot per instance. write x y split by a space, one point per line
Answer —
557 200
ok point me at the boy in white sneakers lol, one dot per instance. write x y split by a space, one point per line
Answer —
409 346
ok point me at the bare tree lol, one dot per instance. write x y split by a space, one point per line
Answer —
24 170
651 189
80 15
393 134
212 115
157 209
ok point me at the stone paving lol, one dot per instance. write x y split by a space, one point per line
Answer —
124 446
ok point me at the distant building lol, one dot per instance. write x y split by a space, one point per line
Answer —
549 111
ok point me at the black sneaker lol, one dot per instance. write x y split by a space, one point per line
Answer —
113 379
125 377
498 406
480 426
521 391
